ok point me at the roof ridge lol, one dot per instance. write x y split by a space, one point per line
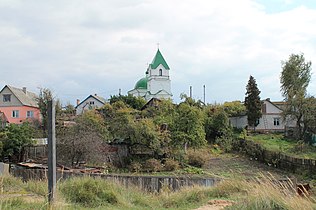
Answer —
26 99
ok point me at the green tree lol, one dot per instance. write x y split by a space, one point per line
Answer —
148 135
234 108
131 101
14 139
216 123
309 115
188 128
162 113
295 78
253 103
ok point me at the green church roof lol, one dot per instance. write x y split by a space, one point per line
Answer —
141 84
158 59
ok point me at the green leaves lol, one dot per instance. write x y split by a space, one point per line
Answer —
252 102
14 138
295 78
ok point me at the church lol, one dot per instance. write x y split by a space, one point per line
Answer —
156 83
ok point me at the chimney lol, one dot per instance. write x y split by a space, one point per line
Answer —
24 90
78 101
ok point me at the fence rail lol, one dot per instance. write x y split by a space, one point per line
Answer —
276 159
147 183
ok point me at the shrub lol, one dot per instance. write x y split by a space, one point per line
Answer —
89 192
179 155
171 165
197 158
153 165
135 166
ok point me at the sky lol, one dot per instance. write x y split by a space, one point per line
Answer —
77 48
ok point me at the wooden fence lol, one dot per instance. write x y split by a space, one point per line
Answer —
147 183
275 159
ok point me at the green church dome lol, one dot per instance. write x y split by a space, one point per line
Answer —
141 84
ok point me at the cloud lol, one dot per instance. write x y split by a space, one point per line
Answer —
81 48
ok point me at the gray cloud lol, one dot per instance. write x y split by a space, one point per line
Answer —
78 48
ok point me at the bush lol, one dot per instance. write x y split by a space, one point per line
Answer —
197 158
89 192
171 165
135 166
153 165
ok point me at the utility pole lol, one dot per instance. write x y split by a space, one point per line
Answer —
190 91
204 94
51 152
119 91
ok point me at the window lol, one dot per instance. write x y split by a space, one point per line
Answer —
276 121
29 114
6 97
160 72
15 113
91 102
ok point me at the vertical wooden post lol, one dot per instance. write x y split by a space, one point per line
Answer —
51 152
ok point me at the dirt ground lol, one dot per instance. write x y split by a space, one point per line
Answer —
216 205
234 165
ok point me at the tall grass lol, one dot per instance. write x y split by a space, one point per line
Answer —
96 193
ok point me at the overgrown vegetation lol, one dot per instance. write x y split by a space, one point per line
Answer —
95 193
278 143
13 140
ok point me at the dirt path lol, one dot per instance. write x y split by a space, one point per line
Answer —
216 205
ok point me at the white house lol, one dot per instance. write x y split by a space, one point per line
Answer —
91 102
156 83
271 119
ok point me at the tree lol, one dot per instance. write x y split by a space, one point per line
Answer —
14 139
83 141
188 128
309 115
131 101
162 113
216 123
253 103
44 96
234 108
295 77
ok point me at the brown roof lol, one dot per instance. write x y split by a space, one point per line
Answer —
26 98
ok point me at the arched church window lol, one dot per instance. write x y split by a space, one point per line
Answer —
160 72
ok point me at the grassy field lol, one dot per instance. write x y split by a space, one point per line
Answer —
276 142
88 193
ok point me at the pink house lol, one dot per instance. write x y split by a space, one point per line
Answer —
19 105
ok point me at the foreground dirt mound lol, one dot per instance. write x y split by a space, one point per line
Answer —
216 205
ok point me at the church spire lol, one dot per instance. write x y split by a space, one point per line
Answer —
158 59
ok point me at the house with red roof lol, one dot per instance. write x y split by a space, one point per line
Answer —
18 105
